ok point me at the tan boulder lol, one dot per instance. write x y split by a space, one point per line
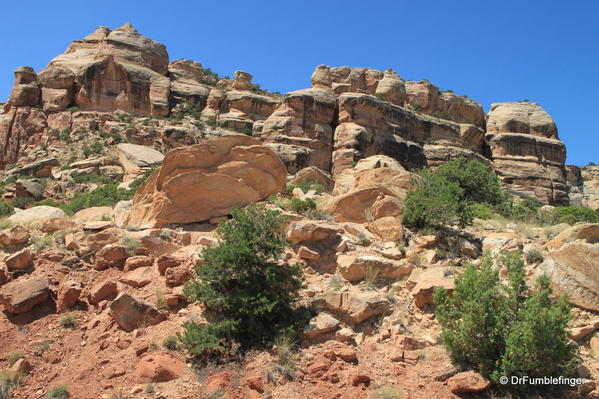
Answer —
37 213
388 228
133 157
135 262
101 291
587 232
320 324
20 261
355 306
356 267
95 213
51 225
131 313
26 91
158 367
427 281
16 235
203 181
309 230
138 277
501 241
21 296
594 346
313 173
574 270
468 381
113 255
175 276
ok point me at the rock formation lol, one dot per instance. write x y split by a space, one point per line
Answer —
204 181
526 151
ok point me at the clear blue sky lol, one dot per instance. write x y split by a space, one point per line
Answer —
492 51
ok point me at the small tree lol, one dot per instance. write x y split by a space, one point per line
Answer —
501 331
245 283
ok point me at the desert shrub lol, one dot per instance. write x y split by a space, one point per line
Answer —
106 195
59 392
92 178
300 205
575 214
306 185
94 149
6 209
171 343
244 283
65 135
9 380
533 255
69 320
14 356
500 330
481 211
192 109
450 194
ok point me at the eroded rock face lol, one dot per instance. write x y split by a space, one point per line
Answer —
527 153
203 181
300 128
130 313
21 296
584 186
574 270
113 69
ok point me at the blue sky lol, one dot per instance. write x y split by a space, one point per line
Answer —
492 51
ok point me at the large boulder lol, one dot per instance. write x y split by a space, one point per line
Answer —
133 157
206 180
130 313
587 232
355 306
158 367
574 270
526 151
37 214
357 267
21 296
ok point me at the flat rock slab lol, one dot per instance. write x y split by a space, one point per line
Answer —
21 296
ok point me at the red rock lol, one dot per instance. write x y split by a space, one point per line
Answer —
318 369
468 381
349 355
130 313
411 357
255 382
111 256
101 291
166 261
136 262
159 367
68 295
358 379
21 296
20 261
138 277
177 275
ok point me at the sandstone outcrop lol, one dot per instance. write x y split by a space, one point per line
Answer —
584 186
203 181
526 151
574 270
21 296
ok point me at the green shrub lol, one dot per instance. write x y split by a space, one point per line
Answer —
106 195
9 380
244 282
69 320
6 209
59 392
534 255
171 343
575 214
301 206
95 148
65 135
481 211
500 331
306 185
449 194
92 178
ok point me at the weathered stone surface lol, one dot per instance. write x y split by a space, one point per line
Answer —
320 324
112 255
21 296
16 235
203 181
138 277
574 270
133 157
158 367
115 69
468 381
68 295
527 153
187 83
130 313
354 306
20 261
21 129
41 168
102 290
25 91
587 232
501 241
356 267
302 122
314 174
388 228
428 281
95 213
308 230
37 213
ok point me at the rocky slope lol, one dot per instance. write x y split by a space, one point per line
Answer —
89 298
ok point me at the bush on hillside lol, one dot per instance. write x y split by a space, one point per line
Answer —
245 284
6 209
450 194
499 329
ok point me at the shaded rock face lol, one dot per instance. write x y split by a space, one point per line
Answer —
203 181
300 128
584 186
526 151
